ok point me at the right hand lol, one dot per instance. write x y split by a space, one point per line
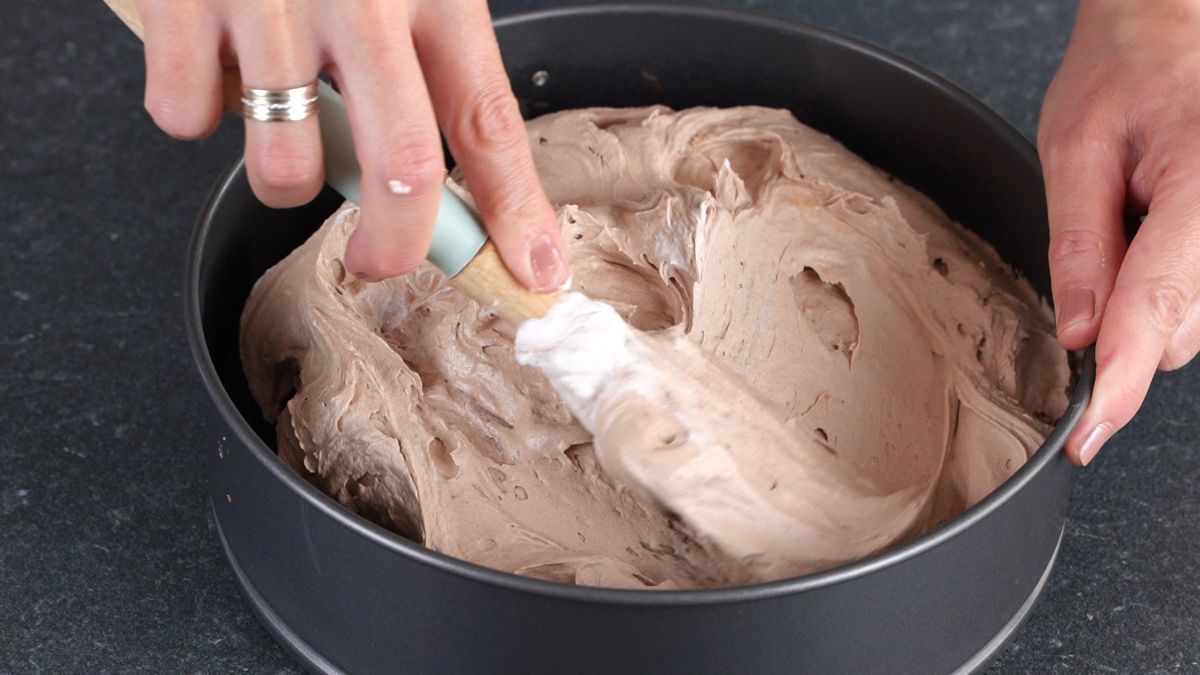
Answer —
396 103
1120 129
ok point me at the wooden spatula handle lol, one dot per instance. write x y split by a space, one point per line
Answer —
127 11
487 280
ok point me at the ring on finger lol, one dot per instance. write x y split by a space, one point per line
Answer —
280 105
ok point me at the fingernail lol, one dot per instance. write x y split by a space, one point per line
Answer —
1093 441
546 261
1078 304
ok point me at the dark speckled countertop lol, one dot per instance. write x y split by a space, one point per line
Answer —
108 560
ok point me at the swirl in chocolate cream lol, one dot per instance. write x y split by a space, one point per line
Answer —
859 367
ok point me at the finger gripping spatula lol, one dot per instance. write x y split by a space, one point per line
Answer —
460 246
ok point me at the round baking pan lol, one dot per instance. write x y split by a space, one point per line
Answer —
342 594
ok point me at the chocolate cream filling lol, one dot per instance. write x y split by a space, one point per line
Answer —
823 365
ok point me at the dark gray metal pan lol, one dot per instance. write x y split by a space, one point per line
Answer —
342 594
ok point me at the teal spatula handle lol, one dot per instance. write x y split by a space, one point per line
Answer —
458 234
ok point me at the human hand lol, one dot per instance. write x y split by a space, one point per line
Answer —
1120 129
395 101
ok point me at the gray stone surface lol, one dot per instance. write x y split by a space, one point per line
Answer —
108 561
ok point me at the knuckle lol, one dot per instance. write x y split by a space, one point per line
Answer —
381 266
1054 152
1176 356
1047 142
284 169
1117 395
416 162
172 102
493 120
516 203
1166 170
272 10
179 118
1123 404
1075 245
1166 304
1107 352
1060 145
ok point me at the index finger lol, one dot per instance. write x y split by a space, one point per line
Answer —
482 121
1158 281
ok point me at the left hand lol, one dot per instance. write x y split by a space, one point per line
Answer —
1120 128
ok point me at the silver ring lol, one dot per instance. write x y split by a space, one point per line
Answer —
279 105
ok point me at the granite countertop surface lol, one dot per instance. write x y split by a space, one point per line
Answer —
108 558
